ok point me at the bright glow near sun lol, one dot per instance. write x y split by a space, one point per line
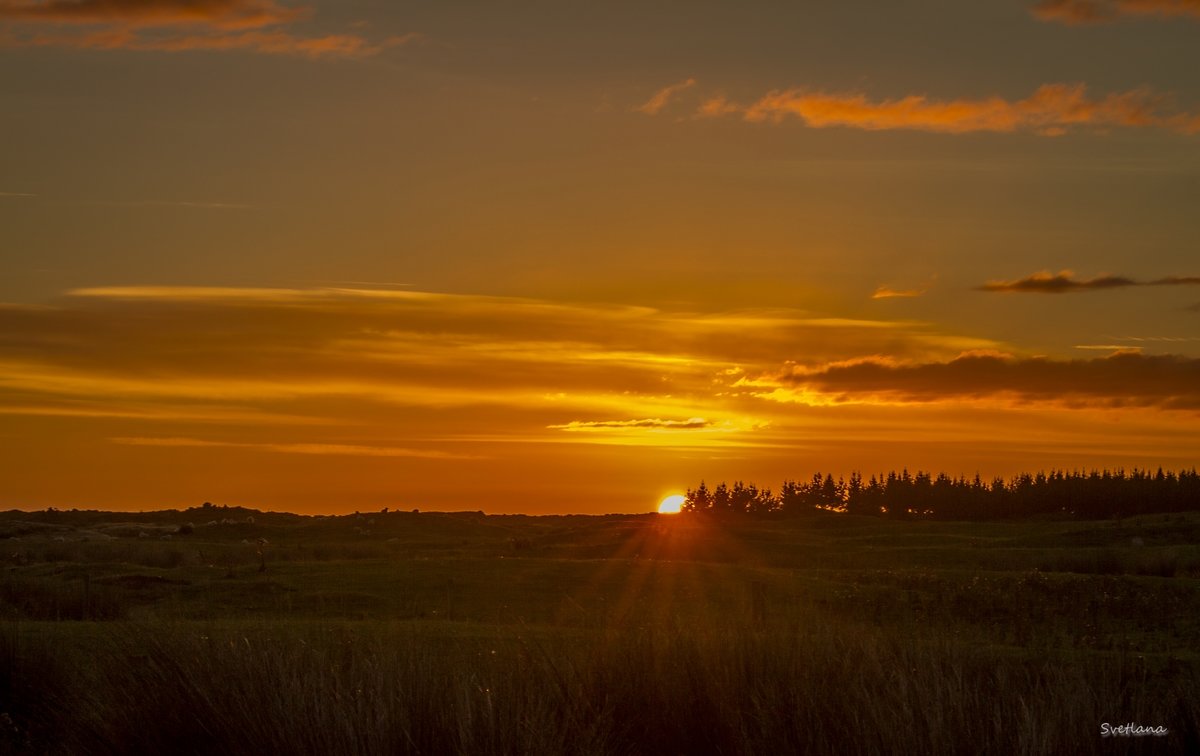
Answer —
672 504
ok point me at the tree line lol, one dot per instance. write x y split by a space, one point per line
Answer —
902 495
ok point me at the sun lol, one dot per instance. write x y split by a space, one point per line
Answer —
672 504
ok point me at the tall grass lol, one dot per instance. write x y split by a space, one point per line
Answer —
667 688
946 638
57 599
33 682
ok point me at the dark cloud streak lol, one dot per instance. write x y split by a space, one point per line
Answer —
224 14
1064 282
1080 12
1121 380
259 26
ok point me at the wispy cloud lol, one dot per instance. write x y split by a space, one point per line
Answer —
714 107
1108 347
378 373
1064 282
1158 339
343 394
198 205
261 26
161 413
1052 110
662 97
16 195
266 42
460 364
319 449
1076 12
370 284
887 292
694 423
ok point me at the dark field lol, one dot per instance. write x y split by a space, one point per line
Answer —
176 632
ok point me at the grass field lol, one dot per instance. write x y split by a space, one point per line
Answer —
435 633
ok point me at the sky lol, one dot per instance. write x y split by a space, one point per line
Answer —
573 257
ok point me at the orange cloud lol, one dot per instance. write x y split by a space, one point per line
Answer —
1077 12
1050 110
717 106
662 97
175 26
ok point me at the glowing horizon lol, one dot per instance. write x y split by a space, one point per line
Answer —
324 259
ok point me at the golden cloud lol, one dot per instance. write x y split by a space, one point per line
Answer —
388 373
887 292
313 392
455 365
694 423
319 449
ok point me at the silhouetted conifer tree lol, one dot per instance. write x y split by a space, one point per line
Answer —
1096 494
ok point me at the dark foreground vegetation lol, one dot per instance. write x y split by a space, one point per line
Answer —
225 630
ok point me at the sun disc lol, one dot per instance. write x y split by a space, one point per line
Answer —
673 504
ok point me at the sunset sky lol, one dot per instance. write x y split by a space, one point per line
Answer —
572 257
